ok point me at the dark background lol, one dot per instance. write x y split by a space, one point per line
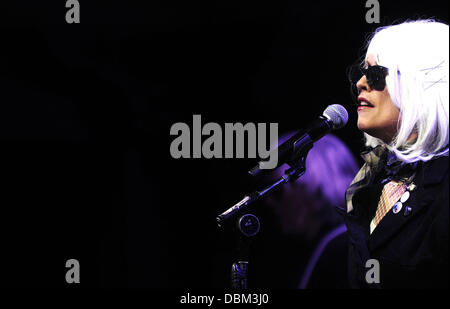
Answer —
85 113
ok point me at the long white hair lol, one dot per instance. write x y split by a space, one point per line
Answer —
417 56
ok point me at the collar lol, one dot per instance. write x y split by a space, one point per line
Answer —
379 162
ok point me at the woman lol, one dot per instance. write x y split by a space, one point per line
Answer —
397 205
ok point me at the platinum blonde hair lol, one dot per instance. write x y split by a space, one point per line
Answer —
417 56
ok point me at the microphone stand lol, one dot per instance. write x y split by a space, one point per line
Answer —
249 222
248 225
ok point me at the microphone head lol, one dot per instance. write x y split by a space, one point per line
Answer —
337 114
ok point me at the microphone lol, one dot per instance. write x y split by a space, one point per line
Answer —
333 118
291 152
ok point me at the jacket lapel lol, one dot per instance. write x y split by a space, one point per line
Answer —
428 176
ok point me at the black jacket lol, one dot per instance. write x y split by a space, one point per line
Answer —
412 249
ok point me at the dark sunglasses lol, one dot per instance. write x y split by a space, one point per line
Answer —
375 75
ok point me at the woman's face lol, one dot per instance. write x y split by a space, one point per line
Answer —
380 119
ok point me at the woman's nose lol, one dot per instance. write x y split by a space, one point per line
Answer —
362 84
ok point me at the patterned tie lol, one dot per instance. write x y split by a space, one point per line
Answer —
391 193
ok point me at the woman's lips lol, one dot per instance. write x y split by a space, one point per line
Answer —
363 107
363 103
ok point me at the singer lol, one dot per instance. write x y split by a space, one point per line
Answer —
398 203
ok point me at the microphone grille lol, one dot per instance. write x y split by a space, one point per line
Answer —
337 114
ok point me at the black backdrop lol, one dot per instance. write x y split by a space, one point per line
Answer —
84 125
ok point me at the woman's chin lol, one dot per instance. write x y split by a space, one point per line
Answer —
362 125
